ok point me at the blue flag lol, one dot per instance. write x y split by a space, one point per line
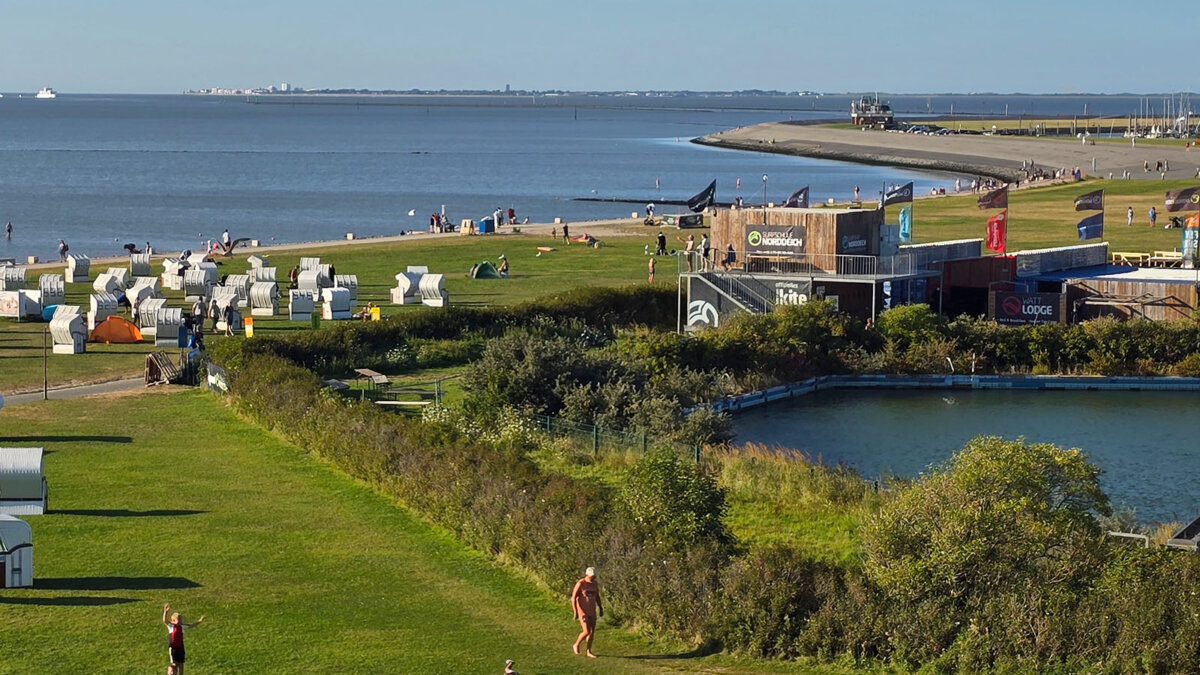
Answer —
906 224
1091 227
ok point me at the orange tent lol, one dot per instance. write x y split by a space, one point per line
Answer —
116 330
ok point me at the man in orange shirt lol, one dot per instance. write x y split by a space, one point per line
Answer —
585 602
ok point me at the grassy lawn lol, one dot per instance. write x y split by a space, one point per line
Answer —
619 262
296 568
1046 216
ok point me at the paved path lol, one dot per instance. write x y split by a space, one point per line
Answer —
79 391
999 156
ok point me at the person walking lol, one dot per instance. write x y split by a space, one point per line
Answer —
566 235
1129 217
62 250
214 314
856 193
661 244
705 250
175 628
231 317
586 606
651 265
650 210
1153 217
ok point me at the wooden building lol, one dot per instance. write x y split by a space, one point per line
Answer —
811 237
1159 294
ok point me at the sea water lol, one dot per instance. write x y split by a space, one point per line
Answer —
103 171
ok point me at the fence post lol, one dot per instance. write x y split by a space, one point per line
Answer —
643 445
696 452
595 440
548 425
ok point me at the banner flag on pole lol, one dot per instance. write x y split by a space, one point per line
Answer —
798 199
997 232
1187 199
996 199
704 199
1191 239
1091 227
899 195
906 224
1092 201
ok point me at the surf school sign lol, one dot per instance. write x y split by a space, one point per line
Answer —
1017 309
776 240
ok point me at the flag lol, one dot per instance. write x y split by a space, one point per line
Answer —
899 194
906 224
997 232
1187 199
704 199
996 199
1092 201
1091 227
1192 221
798 200
1191 236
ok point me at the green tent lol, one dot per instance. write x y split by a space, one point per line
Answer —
485 270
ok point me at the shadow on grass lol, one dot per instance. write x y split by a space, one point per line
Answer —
65 439
87 601
113 583
126 513
703 650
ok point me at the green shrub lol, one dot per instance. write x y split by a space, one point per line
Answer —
677 501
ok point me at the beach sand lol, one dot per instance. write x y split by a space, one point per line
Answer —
598 228
996 156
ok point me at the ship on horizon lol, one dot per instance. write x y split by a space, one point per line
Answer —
46 92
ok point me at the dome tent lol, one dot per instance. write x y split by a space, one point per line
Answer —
485 270
116 330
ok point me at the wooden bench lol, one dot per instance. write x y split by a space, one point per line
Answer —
385 402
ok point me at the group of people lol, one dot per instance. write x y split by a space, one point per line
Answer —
439 223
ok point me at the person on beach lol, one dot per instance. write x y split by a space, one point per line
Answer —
503 268
651 277
231 316
856 193
175 628
62 250
586 605
566 235
508 667
225 239
512 216
650 210
214 313
1129 217
662 244
689 247
1153 217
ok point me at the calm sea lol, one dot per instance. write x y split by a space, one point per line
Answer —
100 171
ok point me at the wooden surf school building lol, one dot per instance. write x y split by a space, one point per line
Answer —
763 258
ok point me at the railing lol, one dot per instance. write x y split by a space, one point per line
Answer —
596 439
799 264
740 288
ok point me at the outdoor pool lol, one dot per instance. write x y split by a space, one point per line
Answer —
1144 441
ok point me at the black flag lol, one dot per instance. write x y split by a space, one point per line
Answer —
899 194
1092 201
1187 199
996 199
704 199
798 200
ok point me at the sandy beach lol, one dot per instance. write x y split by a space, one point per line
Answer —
996 156
594 227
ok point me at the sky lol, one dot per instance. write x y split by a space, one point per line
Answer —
167 46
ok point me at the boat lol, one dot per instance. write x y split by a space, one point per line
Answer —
871 112
46 92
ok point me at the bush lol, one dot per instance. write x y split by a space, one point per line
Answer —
677 502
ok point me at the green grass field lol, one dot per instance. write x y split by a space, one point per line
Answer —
619 262
166 496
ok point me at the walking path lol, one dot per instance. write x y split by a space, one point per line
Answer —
77 391
997 156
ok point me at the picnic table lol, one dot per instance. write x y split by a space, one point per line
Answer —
371 377
1166 259
1130 258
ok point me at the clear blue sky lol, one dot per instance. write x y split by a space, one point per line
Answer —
1016 46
